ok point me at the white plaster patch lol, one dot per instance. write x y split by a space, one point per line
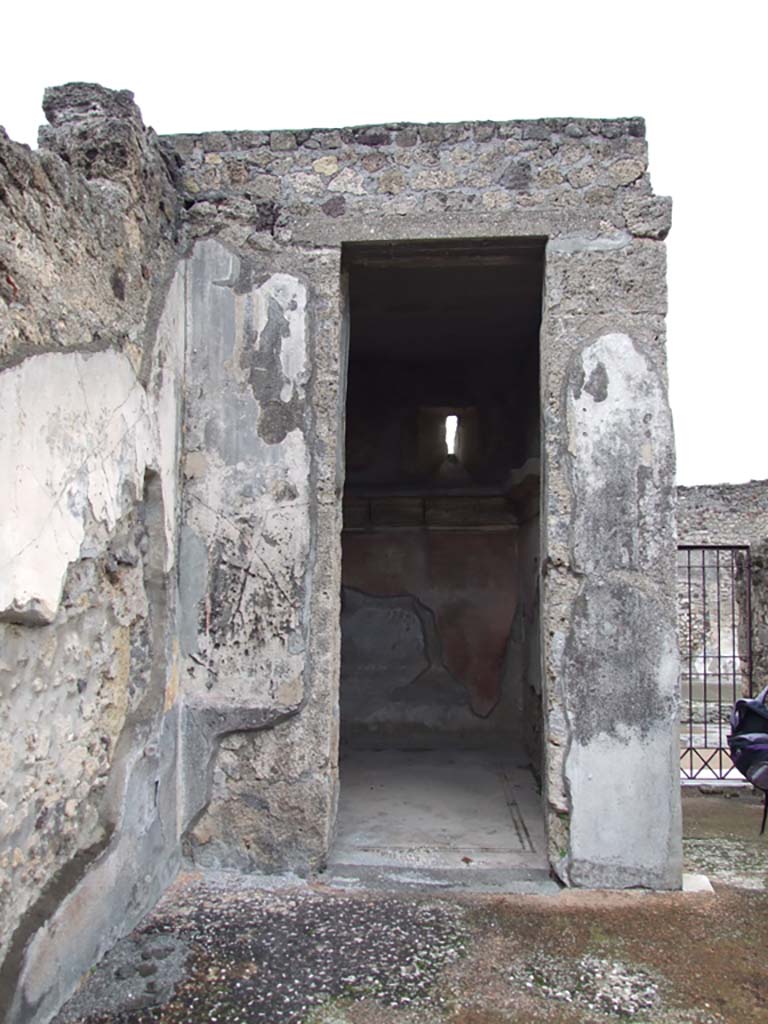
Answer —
76 429
292 296
167 386
619 829
629 382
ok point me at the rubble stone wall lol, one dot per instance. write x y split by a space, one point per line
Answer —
90 363
734 514
723 513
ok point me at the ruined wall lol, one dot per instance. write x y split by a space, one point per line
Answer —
284 202
723 513
90 360
728 514
112 324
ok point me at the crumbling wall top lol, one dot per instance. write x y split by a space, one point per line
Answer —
552 176
88 227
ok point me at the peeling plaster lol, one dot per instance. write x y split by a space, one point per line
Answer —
621 443
246 535
76 430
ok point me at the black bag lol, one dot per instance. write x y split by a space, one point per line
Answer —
748 742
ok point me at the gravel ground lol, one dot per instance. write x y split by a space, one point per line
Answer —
228 949
245 954
722 836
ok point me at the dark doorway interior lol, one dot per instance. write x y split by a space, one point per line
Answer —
441 506
440 685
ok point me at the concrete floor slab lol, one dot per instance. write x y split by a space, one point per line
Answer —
438 817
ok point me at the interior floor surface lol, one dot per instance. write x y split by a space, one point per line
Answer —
468 819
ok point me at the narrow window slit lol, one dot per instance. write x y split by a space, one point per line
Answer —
451 430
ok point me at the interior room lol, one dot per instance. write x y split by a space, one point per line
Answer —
440 696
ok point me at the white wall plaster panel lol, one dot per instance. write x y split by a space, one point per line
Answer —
624 826
620 437
620 664
77 429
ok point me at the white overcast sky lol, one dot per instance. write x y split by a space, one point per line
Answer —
695 71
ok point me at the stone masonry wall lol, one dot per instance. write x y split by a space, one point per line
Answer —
169 594
285 202
89 392
734 514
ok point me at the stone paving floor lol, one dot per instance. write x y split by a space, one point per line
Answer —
445 818
228 949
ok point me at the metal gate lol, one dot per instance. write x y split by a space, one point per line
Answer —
715 631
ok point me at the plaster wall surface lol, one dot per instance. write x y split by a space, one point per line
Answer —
172 596
58 476
248 552
620 435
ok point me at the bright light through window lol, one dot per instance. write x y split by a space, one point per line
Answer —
451 427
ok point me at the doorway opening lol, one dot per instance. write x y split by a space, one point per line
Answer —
440 697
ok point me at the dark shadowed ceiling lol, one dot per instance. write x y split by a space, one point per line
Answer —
424 301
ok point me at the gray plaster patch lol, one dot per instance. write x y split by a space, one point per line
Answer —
193 577
597 385
378 628
277 419
620 662
392 653
385 647
622 450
